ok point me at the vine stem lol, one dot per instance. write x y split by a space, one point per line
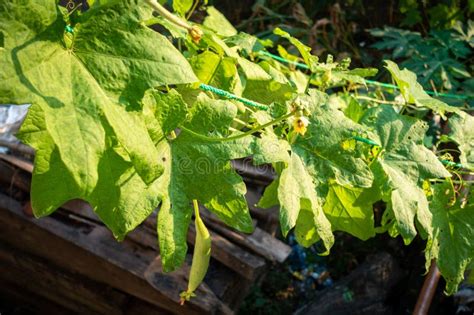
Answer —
168 15
361 97
239 136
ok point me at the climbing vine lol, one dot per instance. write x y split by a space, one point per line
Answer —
123 119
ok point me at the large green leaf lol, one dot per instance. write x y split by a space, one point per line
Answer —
452 243
300 206
349 209
200 169
85 91
314 160
406 163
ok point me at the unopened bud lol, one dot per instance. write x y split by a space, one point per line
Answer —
196 33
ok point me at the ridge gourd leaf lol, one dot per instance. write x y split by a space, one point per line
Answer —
199 169
313 160
452 242
85 94
404 164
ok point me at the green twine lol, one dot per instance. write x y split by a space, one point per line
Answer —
391 86
69 29
365 140
453 164
231 96
386 85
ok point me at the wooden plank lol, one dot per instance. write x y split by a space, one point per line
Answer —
18 162
260 242
160 281
11 176
16 299
54 284
227 253
17 147
116 264
232 256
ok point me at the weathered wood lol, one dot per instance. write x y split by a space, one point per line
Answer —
17 147
119 265
20 300
239 267
64 288
232 256
18 162
162 283
363 291
11 176
259 242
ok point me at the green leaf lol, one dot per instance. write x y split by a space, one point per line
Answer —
452 243
322 147
85 92
305 51
462 132
406 163
217 71
217 22
182 6
262 86
200 169
402 42
245 42
175 30
413 92
314 160
299 202
350 210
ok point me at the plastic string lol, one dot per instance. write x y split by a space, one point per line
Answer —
231 96
381 84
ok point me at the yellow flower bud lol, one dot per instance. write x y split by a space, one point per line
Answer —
196 33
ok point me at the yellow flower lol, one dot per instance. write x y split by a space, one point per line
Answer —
299 124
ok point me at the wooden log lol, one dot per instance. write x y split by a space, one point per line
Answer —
16 299
116 264
363 291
